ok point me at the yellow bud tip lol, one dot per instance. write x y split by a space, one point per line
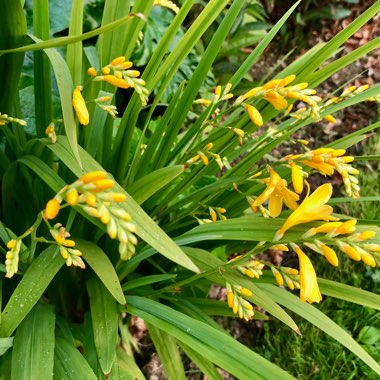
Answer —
93 176
368 259
330 119
367 235
52 209
69 243
127 65
245 292
118 61
72 197
230 298
330 255
80 106
279 278
11 244
118 197
254 115
90 199
91 71
106 70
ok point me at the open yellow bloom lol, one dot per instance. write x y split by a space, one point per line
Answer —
308 279
312 208
278 101
277 193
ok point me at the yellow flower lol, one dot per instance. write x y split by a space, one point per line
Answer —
277 193
80 106
308 279
277 100
312 208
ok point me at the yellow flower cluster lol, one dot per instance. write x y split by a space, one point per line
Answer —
66 246
355 245
288 276
4 119
278 93
237 303
252 269
202 155
277 193
313 207
217 212
12 257
325 161
218 96
119 74
90 193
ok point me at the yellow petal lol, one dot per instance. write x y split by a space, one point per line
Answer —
308 279
277 101
275 204
297 178
330 254
312 208
322 167
251 93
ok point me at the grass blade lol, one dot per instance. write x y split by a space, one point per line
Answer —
259 49
12 34
74 51
33 349
63 41
217 346
168 352
145 187
30 289
42 69
104 317
102 266
349 293
69 364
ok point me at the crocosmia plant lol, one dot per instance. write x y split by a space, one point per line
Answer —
134 180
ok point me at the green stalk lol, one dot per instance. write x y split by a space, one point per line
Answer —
42 69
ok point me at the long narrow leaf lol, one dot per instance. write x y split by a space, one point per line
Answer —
102 266
104 317
33 349
218 347
69 364
30 289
